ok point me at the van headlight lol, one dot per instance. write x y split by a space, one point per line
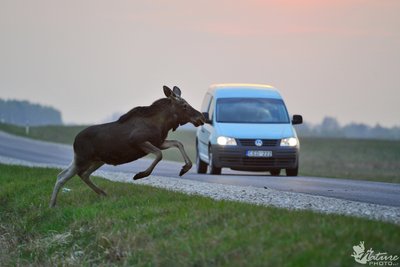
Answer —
226 141
290 141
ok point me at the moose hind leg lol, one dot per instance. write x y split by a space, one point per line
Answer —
147 147
62 178
85 176
173 143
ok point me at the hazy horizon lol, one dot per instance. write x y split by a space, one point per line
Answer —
92 59
115 115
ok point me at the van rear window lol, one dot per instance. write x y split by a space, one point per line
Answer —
251 110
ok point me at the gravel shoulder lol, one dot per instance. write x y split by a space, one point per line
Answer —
248 194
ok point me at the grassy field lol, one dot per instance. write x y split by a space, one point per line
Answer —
51 133
138 225
374 160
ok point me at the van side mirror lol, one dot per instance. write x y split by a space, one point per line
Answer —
297 119
207 117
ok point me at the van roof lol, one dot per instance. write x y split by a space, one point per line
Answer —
243 90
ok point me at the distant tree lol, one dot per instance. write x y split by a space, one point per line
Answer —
396 133
330 127
25 113
380 132
304 129
357 130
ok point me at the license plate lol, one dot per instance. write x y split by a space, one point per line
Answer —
259 153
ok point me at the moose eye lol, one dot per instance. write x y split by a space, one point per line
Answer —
184 106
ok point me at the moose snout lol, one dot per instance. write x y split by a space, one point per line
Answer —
199 120
202 119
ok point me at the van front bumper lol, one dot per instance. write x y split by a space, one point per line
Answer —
235 157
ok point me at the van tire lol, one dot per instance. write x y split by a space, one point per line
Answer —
275 172
292 172
213 169
201 166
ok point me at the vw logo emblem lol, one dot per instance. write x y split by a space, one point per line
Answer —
258 142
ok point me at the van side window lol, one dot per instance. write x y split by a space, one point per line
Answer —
206 103
211 108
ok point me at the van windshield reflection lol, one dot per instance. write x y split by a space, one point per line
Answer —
251 110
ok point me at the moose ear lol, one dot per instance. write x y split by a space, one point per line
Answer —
168 92
177 91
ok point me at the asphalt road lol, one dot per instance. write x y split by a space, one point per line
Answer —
362 191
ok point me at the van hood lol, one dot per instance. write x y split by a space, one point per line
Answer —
255 131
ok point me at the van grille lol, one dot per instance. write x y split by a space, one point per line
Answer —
234 157
256 162
266 142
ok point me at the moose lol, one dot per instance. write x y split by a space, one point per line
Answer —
141 131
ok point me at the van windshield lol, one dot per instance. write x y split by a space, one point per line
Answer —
251 110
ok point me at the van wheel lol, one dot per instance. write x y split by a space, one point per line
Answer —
292 172
201 166
275 172
213 169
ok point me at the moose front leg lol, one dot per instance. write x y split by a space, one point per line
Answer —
147 147
173 143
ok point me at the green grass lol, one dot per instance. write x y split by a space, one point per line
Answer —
137 225
374 160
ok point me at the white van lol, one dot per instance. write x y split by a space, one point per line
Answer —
247 128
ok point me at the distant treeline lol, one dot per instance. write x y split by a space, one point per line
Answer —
330 127
25 113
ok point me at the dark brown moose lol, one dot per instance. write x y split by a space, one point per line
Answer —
141 131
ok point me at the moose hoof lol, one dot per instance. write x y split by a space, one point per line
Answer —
140 175
185 169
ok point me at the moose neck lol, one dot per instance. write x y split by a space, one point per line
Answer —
168 121
163 115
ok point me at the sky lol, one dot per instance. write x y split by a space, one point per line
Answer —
93 58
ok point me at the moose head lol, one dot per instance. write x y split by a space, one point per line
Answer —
185 113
